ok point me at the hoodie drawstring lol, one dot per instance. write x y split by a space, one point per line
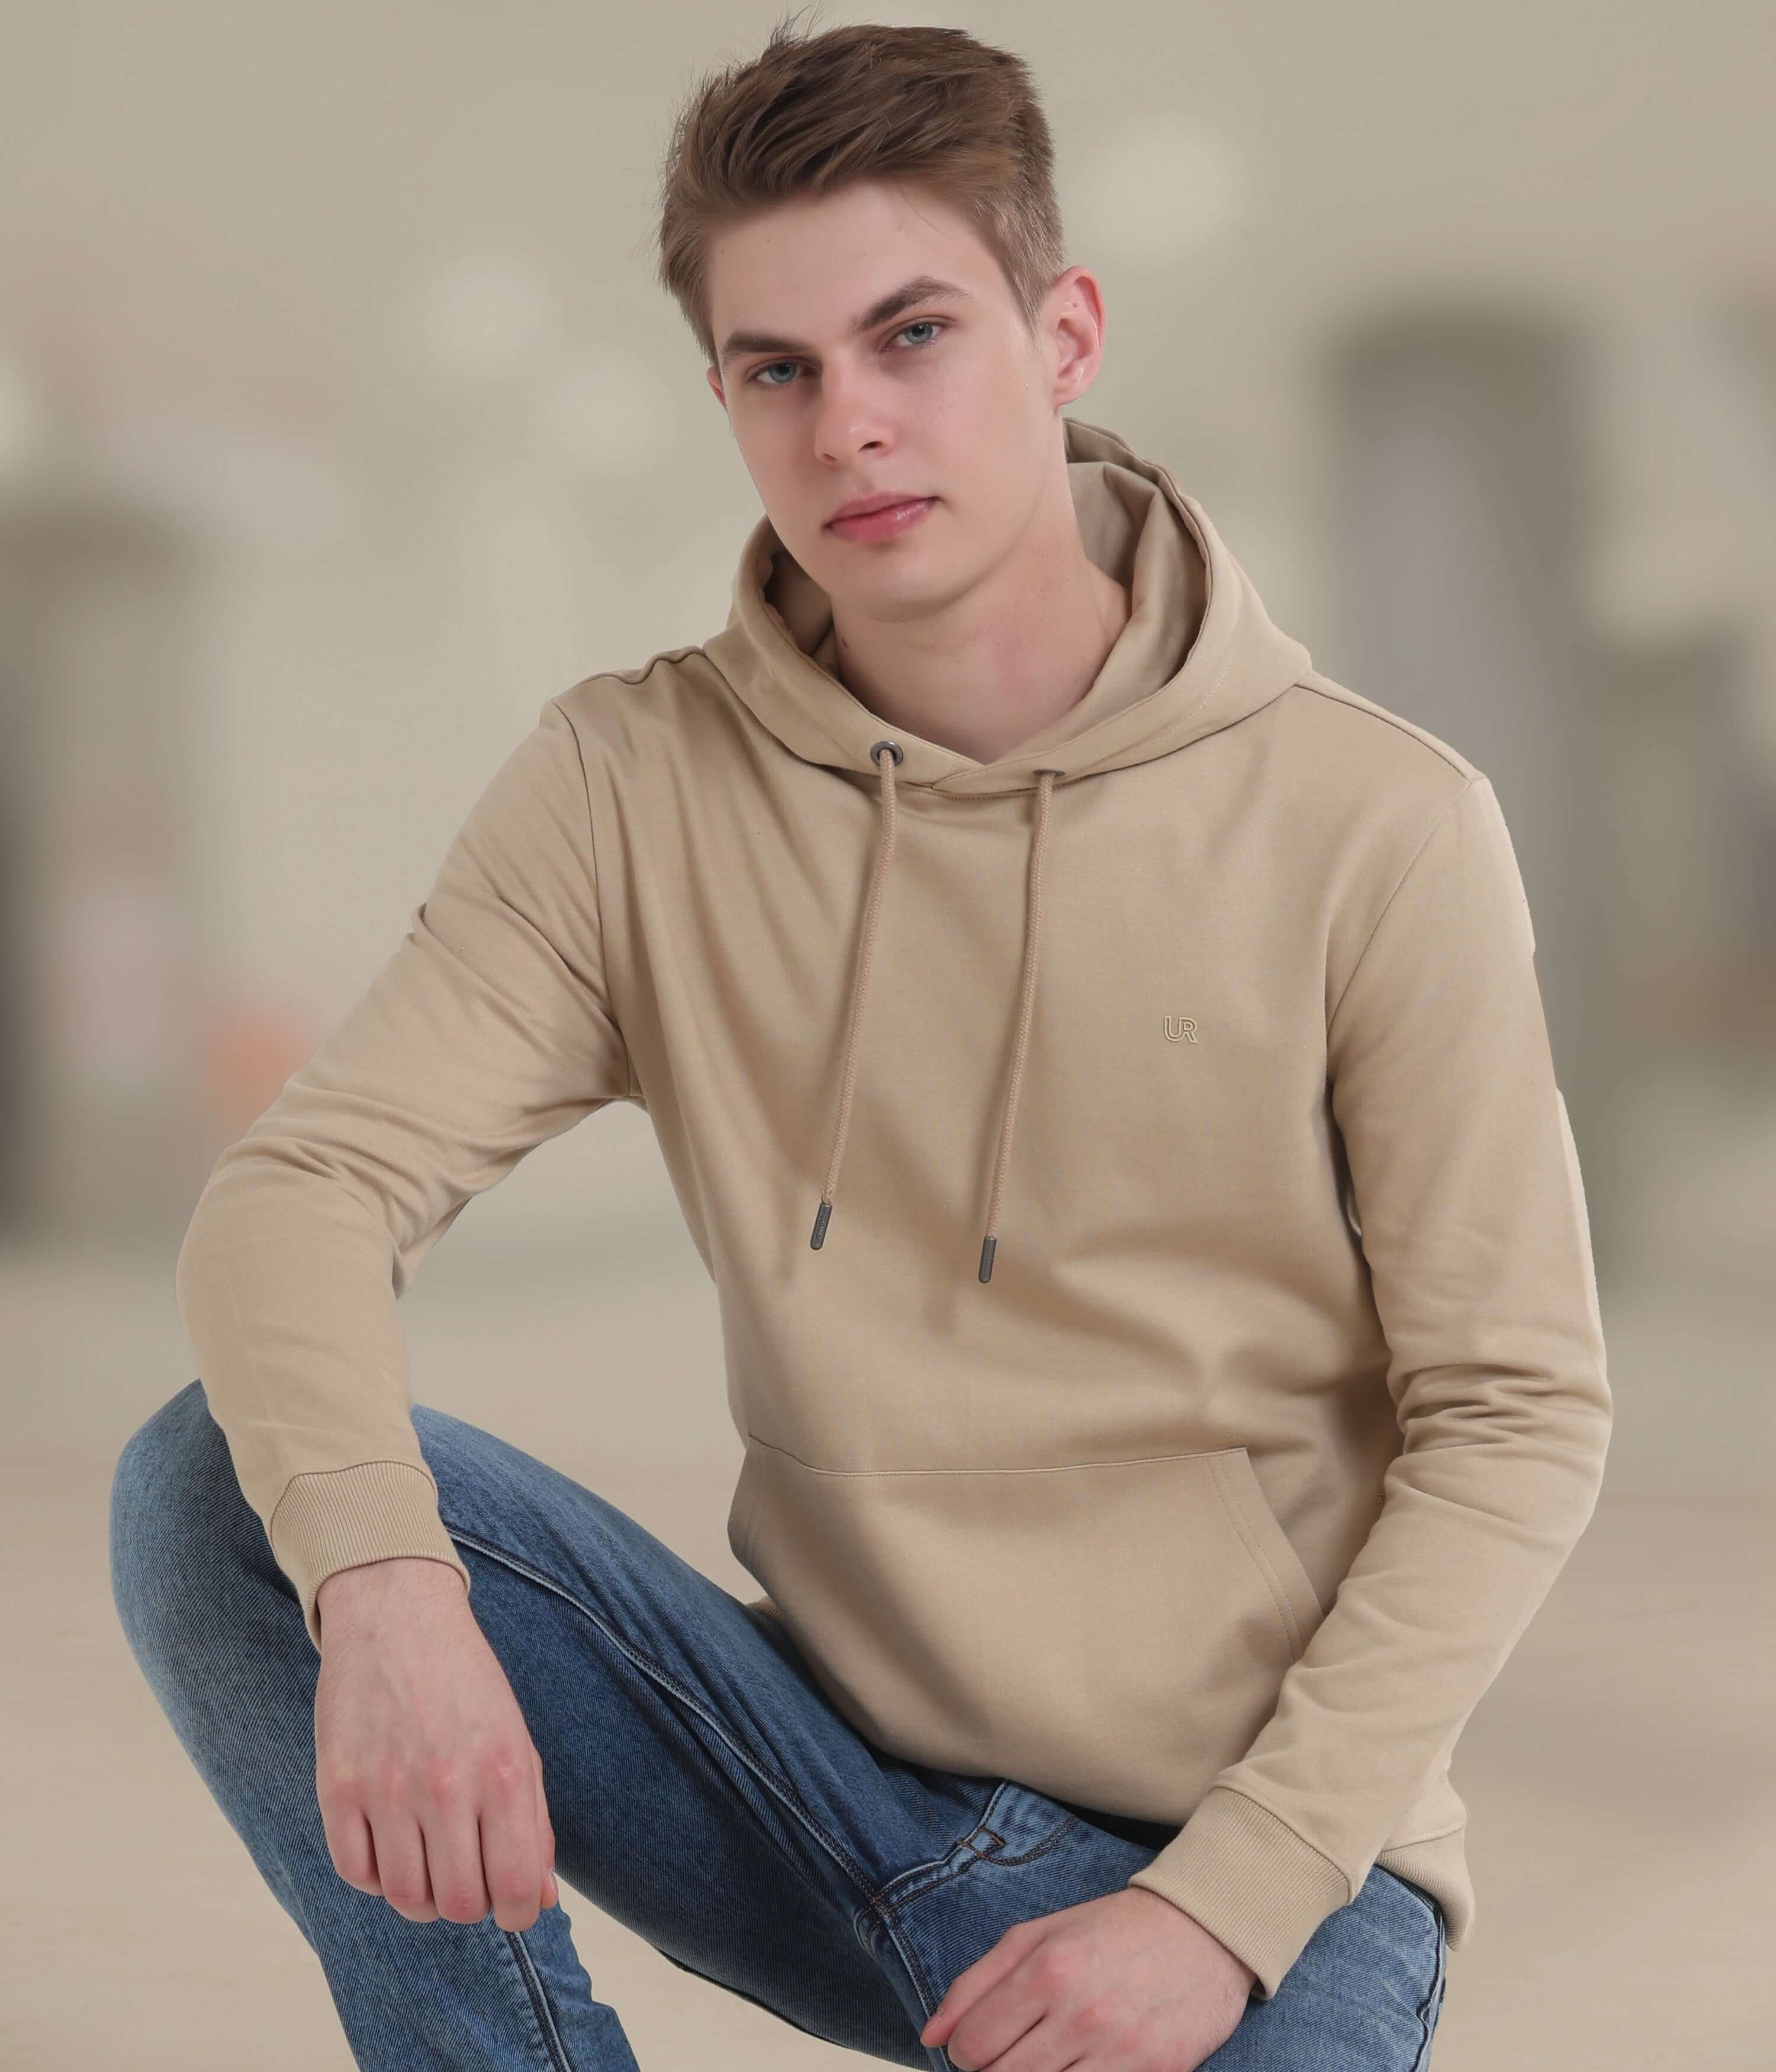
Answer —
860 986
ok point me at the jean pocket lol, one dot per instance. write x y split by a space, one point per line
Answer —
1027 1855
1016 1825
1424 1899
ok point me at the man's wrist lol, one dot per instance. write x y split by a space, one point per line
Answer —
1236 1962
398 1575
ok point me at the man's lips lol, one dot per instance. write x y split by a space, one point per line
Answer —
903 511
870 510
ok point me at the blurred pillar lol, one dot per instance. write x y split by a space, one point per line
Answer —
1693 918
1457 514
101 1135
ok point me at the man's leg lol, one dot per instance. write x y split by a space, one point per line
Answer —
701 1789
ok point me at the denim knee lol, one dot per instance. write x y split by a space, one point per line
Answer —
164 1481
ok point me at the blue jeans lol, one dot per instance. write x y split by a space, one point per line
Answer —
702 1787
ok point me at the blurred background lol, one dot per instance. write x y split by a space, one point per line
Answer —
341 423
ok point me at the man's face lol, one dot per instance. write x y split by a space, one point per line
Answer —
946 397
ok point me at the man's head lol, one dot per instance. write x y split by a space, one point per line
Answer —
803 192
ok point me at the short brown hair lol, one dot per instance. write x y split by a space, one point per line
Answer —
811 114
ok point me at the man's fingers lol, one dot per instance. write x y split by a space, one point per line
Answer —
453 1859
400 1865
348 1843
509 1847
981 1977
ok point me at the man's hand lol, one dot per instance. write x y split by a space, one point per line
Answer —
1127 1983
430 1787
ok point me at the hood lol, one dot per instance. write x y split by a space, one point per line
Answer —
1197 653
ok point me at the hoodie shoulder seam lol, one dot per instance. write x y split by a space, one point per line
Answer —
644 670
1340 694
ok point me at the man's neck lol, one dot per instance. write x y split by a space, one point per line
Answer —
1000 665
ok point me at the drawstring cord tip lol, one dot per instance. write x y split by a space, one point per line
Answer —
988 1247
820 1222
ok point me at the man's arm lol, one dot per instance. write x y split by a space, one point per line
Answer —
1473 1224
488 1031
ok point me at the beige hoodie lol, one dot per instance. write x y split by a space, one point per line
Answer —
1153 1267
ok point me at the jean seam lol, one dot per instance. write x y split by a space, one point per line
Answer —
929 1995
548 2033
872 1913
1427 2012
658 1674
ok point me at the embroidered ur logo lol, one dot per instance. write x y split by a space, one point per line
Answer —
1180 1029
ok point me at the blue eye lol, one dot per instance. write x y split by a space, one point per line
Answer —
932 324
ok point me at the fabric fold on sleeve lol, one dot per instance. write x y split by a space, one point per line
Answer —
1473 1224
488 1031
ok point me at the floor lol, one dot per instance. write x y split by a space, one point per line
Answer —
1617 1774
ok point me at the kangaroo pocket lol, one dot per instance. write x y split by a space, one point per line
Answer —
1109 1632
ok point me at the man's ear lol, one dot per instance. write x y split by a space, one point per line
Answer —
714 381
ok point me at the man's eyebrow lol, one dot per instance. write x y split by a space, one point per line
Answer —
922 288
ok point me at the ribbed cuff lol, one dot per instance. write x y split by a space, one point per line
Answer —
341 1518
1250 1880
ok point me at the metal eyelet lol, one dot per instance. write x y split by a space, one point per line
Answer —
892 746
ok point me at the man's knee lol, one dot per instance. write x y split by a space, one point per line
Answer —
159 1450
164 1481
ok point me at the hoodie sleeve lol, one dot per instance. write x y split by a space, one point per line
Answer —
1474 1228
487 1031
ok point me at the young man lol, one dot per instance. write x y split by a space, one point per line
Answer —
1102 1065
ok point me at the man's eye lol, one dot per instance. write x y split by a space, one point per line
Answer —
934 324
